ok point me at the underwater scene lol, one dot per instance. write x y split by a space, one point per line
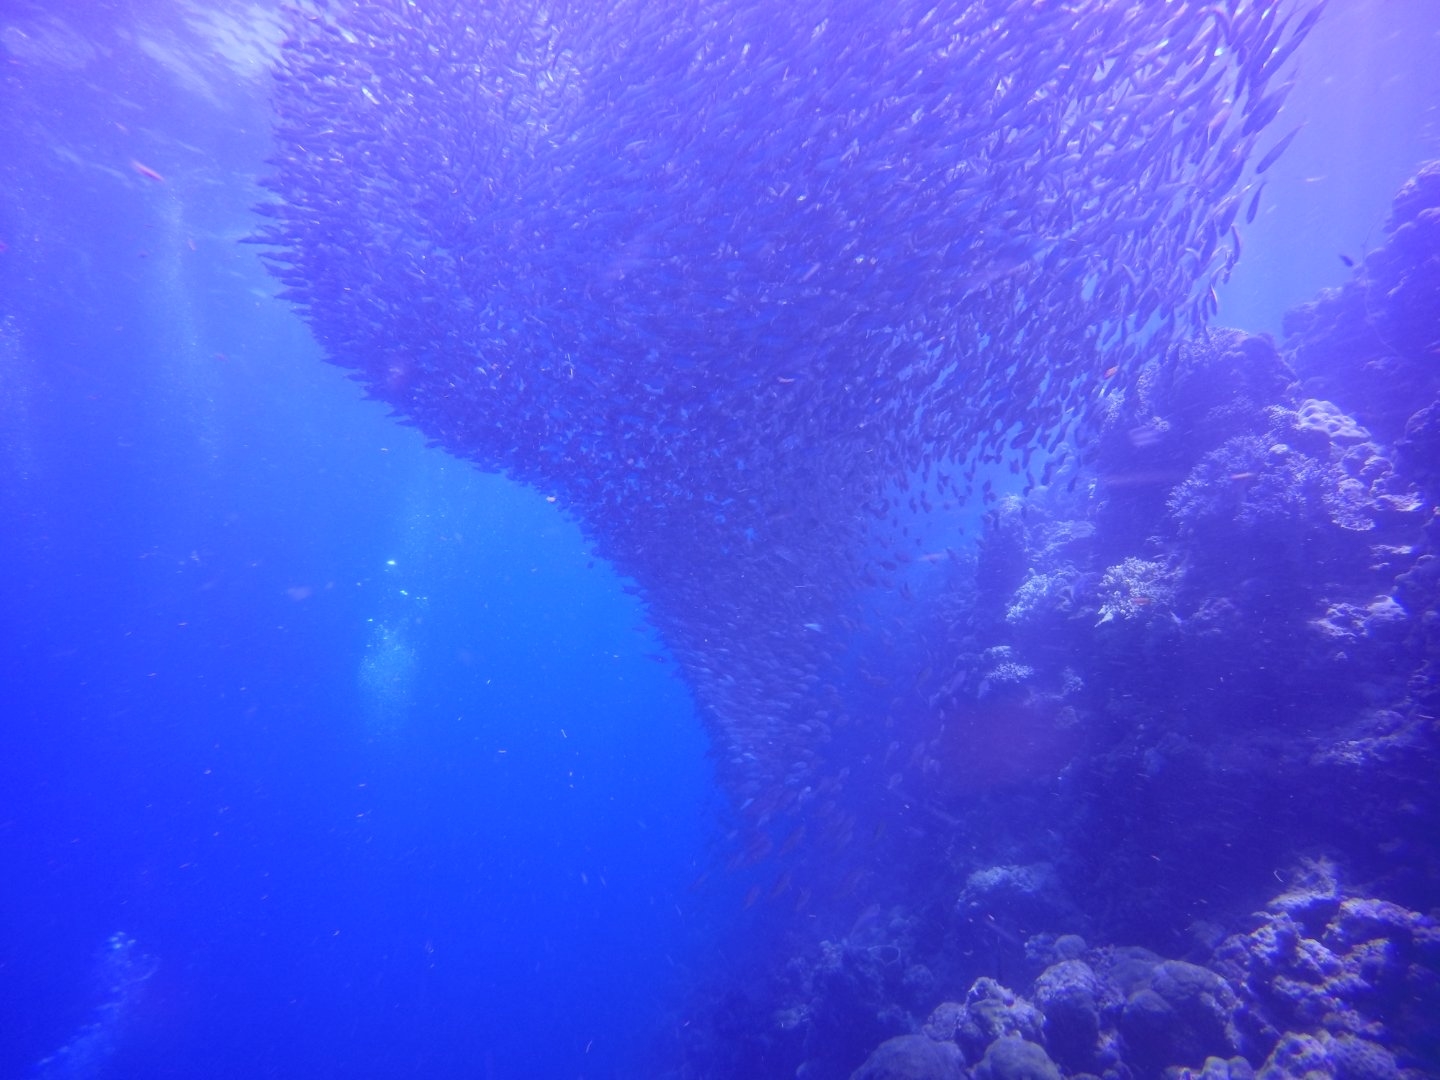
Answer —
720 539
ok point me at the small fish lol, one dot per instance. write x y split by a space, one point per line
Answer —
146 171
1273 154
794 840
1347 260
1266 108
1254 205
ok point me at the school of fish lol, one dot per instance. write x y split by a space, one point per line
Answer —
734 281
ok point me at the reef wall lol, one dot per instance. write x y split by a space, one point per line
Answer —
1203 677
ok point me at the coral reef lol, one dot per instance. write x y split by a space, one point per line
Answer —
913 1057
1324 986
1239 615
1207 660
1373 341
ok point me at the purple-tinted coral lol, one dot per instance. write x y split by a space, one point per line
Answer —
1074 1001
1138 591
1013 1058
993 1012
1326 986
912 1057
1371 972
1374 339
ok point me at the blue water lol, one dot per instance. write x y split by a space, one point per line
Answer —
1367 96
372 766
364 748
